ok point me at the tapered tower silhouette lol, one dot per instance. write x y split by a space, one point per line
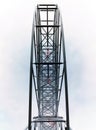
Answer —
48 71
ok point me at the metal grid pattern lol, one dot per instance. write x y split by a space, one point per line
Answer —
48 68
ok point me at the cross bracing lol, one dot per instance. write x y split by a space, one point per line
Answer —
48 69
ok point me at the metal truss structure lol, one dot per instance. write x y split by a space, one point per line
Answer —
48 72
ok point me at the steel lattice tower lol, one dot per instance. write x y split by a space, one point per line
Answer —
48 72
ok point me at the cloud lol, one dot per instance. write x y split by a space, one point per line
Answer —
15 31
15 42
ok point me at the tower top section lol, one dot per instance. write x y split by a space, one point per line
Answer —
48 6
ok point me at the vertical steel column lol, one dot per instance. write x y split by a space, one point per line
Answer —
30 81
66 86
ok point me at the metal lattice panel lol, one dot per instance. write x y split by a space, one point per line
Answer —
47 27
48 69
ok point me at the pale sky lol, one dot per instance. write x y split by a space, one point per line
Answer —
79 21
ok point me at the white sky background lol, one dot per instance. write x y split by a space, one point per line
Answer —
79 20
